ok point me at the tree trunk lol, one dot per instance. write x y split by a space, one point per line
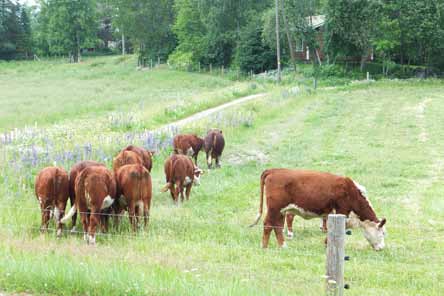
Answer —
290 40
76 54
278 47
363 59
123 43
318 57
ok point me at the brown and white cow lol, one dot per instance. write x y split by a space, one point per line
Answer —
214 145
134 184
126 157
145 155
188 145
51 190
75 171
311 194
180 173
95 192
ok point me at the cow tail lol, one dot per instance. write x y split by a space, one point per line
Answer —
261 204
214 140
69 215
81 184
71 211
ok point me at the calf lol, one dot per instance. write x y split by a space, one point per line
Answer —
180 173
311 194
134 183
75 171
126 157
214 145
145 155
95 192
188 145
51 190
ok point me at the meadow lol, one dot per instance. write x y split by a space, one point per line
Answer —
387 135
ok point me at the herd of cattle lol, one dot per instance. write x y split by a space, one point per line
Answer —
97 193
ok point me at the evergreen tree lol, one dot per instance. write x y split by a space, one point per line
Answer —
252 54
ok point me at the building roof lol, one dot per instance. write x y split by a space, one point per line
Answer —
317 21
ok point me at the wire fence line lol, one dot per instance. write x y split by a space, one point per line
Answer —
239 224
145 235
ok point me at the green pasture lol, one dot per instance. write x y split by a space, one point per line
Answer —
387 135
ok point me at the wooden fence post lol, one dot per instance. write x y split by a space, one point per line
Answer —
335 254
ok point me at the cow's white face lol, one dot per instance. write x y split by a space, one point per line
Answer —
197 173
374 233
190 151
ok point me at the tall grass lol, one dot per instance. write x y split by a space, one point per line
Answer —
386 135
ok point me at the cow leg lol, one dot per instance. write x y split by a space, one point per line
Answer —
188 191
182 196
289 219
104 219
132 214
84 218
324 224
94 220
279 231
116 217
46 216
137 213
146 213
59 212
218 161
268 227
209 159
178 191
74 218
195 158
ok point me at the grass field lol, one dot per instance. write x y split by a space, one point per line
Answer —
386 135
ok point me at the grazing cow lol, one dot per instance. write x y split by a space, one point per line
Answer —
180 172
126 157
134 183
145 155
214 145
188 145
51 190
311 194
75 171
95 193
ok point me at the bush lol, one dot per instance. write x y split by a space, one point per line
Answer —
181 60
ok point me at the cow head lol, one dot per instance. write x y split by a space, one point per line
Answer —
197 173
374 232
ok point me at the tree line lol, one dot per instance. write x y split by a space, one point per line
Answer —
228 33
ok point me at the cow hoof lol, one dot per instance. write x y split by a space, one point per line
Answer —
284 245
59 233
85 237
73 230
